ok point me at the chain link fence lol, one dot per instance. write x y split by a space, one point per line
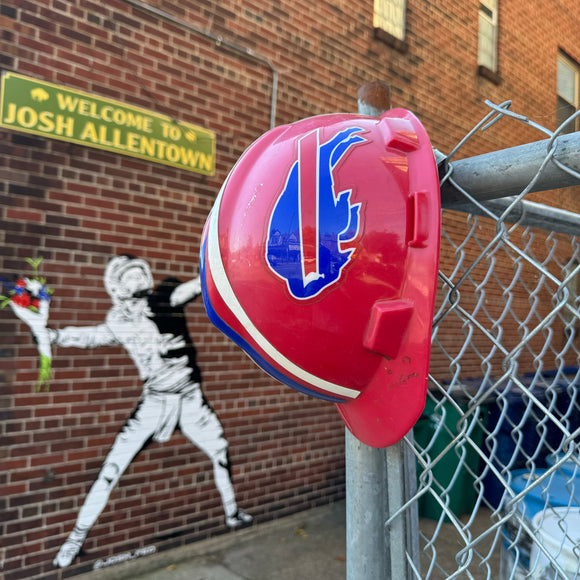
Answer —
498 465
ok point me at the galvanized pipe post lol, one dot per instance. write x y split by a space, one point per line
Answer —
379 481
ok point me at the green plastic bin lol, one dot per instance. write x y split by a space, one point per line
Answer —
435 430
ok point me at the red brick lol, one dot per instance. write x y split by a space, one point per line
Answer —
78 206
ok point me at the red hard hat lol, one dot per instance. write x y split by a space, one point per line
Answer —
320 258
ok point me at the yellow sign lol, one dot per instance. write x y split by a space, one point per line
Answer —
54 111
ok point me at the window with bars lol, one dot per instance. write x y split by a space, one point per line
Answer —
488 29
568 92
389 16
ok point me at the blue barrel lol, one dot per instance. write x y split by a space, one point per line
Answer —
557 490
570 467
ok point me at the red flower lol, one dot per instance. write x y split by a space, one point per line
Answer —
22 299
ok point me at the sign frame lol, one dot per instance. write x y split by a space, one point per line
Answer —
59 112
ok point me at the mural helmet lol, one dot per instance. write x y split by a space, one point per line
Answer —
117 267
319 259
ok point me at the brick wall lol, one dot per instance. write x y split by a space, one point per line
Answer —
76 207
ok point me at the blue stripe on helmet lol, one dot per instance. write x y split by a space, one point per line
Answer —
245 346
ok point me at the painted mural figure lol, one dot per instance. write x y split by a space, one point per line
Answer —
150 324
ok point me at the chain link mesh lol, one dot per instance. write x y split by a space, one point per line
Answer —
497 446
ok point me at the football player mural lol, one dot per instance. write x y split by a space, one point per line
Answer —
150 324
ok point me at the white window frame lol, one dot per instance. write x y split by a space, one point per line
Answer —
390 16
568 93
488 34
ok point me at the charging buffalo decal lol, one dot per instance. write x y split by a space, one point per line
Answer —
319 229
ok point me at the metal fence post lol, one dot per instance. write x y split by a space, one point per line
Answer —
380 542
379 482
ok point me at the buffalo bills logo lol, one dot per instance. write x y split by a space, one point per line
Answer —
312 227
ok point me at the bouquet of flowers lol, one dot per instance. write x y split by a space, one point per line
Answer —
29 299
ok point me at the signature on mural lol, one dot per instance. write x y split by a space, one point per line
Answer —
150 324
124 557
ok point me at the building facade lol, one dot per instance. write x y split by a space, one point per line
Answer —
120 121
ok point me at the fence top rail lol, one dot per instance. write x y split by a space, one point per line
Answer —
539 166
524 213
